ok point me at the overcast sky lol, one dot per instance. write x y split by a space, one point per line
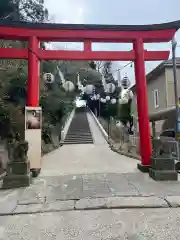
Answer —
116 12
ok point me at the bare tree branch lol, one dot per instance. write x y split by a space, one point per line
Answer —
99 65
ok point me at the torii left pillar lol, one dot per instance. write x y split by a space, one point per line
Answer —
33 136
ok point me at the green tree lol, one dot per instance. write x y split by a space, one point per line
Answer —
23 10
7 8
92 65
17 86
32 10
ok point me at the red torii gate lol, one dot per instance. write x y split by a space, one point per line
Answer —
138 35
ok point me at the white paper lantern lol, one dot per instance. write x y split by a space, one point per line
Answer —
48 78
125 82
113 101
103 100
68 86
108 98
98 96
124 96
89 89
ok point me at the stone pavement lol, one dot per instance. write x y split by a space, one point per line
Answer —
131 224
90 192
94 206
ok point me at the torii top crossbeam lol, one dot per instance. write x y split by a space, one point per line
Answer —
86 34
97 33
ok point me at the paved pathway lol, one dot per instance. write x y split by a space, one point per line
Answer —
88 192
76 173
87 158
123 224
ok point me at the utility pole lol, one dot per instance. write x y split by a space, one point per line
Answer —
174 45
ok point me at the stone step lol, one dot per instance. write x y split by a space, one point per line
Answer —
79 133
80 142
79 130
78 137
83 130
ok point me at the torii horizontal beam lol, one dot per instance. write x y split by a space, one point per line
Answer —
79 32
13 53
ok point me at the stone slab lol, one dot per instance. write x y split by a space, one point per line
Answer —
95 185
174 201
121 202
47 207
8 206
146 186
31 201
33 194
9 200
58 206
136 202
119 185
90 203
64 188
29 208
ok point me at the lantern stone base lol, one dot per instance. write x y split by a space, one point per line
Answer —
163 163
18 168
18 175
143 168
165 175
163 169
16 181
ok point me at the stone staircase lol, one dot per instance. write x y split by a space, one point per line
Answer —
79 131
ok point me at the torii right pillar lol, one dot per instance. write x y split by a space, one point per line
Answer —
142 106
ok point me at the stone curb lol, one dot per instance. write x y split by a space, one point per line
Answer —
67 124
121 202
95 204
173 201
103 131
131 155
46 207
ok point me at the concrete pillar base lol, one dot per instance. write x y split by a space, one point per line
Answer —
143 168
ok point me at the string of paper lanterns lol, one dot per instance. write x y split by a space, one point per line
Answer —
67 85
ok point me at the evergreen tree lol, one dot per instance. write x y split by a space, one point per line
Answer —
23 10
92 65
